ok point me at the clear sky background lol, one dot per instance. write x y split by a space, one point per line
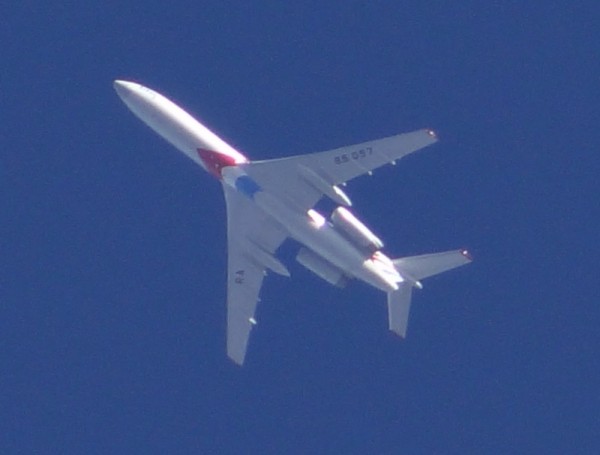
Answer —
113 244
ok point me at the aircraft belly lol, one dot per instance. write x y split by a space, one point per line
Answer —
270 200
323 239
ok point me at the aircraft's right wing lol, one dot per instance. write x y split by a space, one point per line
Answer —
303 179
252 241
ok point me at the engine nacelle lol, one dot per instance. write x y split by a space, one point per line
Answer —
321 267
355 230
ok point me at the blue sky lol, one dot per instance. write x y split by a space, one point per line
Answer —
112 244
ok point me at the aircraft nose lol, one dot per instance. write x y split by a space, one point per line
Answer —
123 88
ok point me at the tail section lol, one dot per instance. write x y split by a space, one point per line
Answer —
413 269
398 309
426 265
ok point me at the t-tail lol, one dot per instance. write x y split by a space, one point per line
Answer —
413 269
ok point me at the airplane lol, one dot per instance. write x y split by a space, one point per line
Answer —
271 200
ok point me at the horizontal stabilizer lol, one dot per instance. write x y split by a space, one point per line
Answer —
426 265
399 309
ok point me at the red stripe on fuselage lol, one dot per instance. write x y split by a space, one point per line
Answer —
215 161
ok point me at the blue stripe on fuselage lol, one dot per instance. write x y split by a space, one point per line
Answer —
247 186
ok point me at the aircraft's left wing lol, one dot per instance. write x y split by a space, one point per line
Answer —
252 241
303 179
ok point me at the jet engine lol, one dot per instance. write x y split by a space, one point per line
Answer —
321 267
355 230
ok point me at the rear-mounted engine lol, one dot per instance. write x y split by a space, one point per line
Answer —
355 230
321 267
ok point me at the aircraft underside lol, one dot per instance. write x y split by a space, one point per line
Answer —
271 200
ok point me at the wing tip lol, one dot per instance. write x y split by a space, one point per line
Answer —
467 254
236 359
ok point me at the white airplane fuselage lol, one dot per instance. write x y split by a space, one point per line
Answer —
220 159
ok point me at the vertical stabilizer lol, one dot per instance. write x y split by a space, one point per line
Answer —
399 308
